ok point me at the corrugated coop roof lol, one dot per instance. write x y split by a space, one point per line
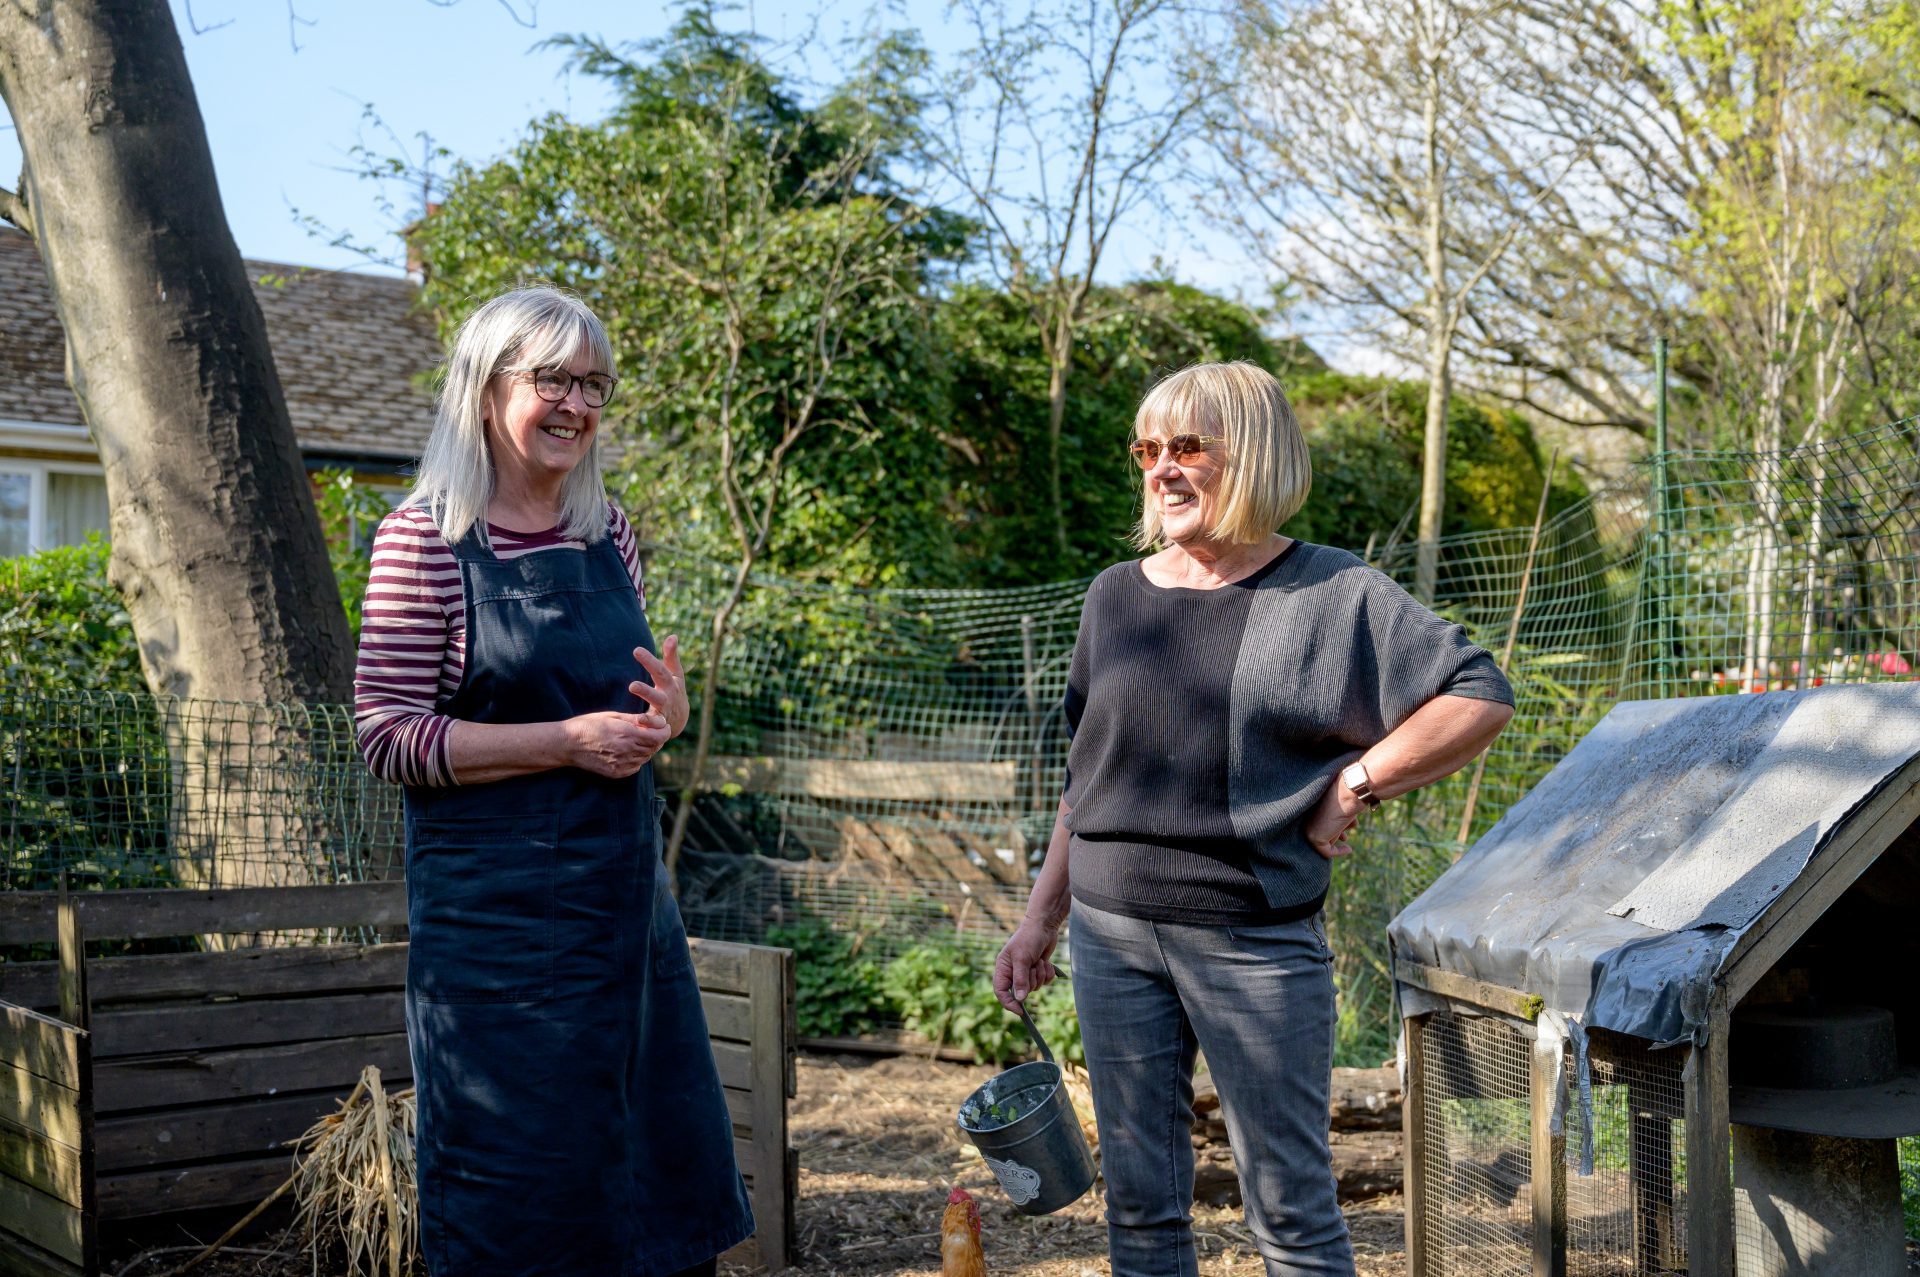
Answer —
1617 888
350 349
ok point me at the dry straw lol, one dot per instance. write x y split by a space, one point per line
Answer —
353 1178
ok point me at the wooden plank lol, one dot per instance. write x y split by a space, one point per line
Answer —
772 976
43 1221
35 1104
1449 984
1709 1130
734 1062
1869 832
1650 1179
28 917
729 1015
251 1127
205 1077
740 1109
1413 1130
40 1044
147 1030
18 1259
851 779
1548 1164
39 1161
74 1007
229 973
720 966
134 1194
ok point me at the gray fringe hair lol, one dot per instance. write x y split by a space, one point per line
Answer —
523 328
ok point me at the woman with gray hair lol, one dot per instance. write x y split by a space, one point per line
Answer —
570 1117
1237 699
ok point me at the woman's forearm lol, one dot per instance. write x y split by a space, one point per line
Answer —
1050 901
480 752
1440 738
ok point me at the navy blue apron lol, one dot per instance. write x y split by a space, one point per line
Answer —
570 1117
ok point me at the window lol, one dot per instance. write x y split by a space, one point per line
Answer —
48 504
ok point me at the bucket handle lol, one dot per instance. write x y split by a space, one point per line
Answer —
1034 1032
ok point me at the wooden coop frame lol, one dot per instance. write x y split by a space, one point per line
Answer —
1887 817
136 1086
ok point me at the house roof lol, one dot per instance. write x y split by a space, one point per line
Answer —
351 350
1624 883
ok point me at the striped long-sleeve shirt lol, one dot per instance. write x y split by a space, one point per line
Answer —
413 637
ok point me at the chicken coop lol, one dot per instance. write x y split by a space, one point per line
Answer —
1661 1019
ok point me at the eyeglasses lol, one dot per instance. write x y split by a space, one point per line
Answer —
1183 447
555 384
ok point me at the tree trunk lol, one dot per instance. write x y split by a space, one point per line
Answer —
1433 451
1433 465
1059 363
216 543
217 547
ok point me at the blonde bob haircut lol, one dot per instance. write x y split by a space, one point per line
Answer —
1265 475
525 328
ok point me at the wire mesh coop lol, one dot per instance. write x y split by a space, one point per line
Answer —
1655 1018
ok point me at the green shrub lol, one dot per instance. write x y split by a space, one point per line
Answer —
944 992
837 990
63 627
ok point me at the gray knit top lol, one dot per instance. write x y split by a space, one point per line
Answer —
1207 723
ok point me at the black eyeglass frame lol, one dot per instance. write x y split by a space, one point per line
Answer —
533 376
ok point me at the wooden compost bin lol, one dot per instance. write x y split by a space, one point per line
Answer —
136 1086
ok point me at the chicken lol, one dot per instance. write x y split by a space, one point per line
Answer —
960 1253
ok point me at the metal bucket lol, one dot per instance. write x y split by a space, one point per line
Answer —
1040 1156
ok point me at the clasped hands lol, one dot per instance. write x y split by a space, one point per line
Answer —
616 744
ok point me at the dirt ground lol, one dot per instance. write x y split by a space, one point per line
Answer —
878 1154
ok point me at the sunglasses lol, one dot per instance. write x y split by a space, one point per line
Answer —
1183 447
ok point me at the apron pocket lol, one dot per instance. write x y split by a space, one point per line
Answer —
480 907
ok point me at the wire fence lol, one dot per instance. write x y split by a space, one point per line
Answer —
892 760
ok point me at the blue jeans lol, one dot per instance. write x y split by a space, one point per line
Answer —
1259 1002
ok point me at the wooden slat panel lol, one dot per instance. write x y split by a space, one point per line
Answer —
27 917
238 973
852 779
203 1077
192 1027
17 1259
728 1016
137 1193
35 1104
720 966
40 1044
41 1162
734 1060
740 1109
46 1222
253 1127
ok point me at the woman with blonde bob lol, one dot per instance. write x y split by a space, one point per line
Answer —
1236 699
570 1118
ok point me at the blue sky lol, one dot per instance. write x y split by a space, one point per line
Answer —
282 123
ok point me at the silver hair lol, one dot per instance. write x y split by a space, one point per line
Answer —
524 328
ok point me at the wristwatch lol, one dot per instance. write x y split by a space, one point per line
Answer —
1354 777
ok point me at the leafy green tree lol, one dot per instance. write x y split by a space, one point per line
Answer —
763 282
1001 419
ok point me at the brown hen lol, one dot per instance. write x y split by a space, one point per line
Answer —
960 1253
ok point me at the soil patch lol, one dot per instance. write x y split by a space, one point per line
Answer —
878 1154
